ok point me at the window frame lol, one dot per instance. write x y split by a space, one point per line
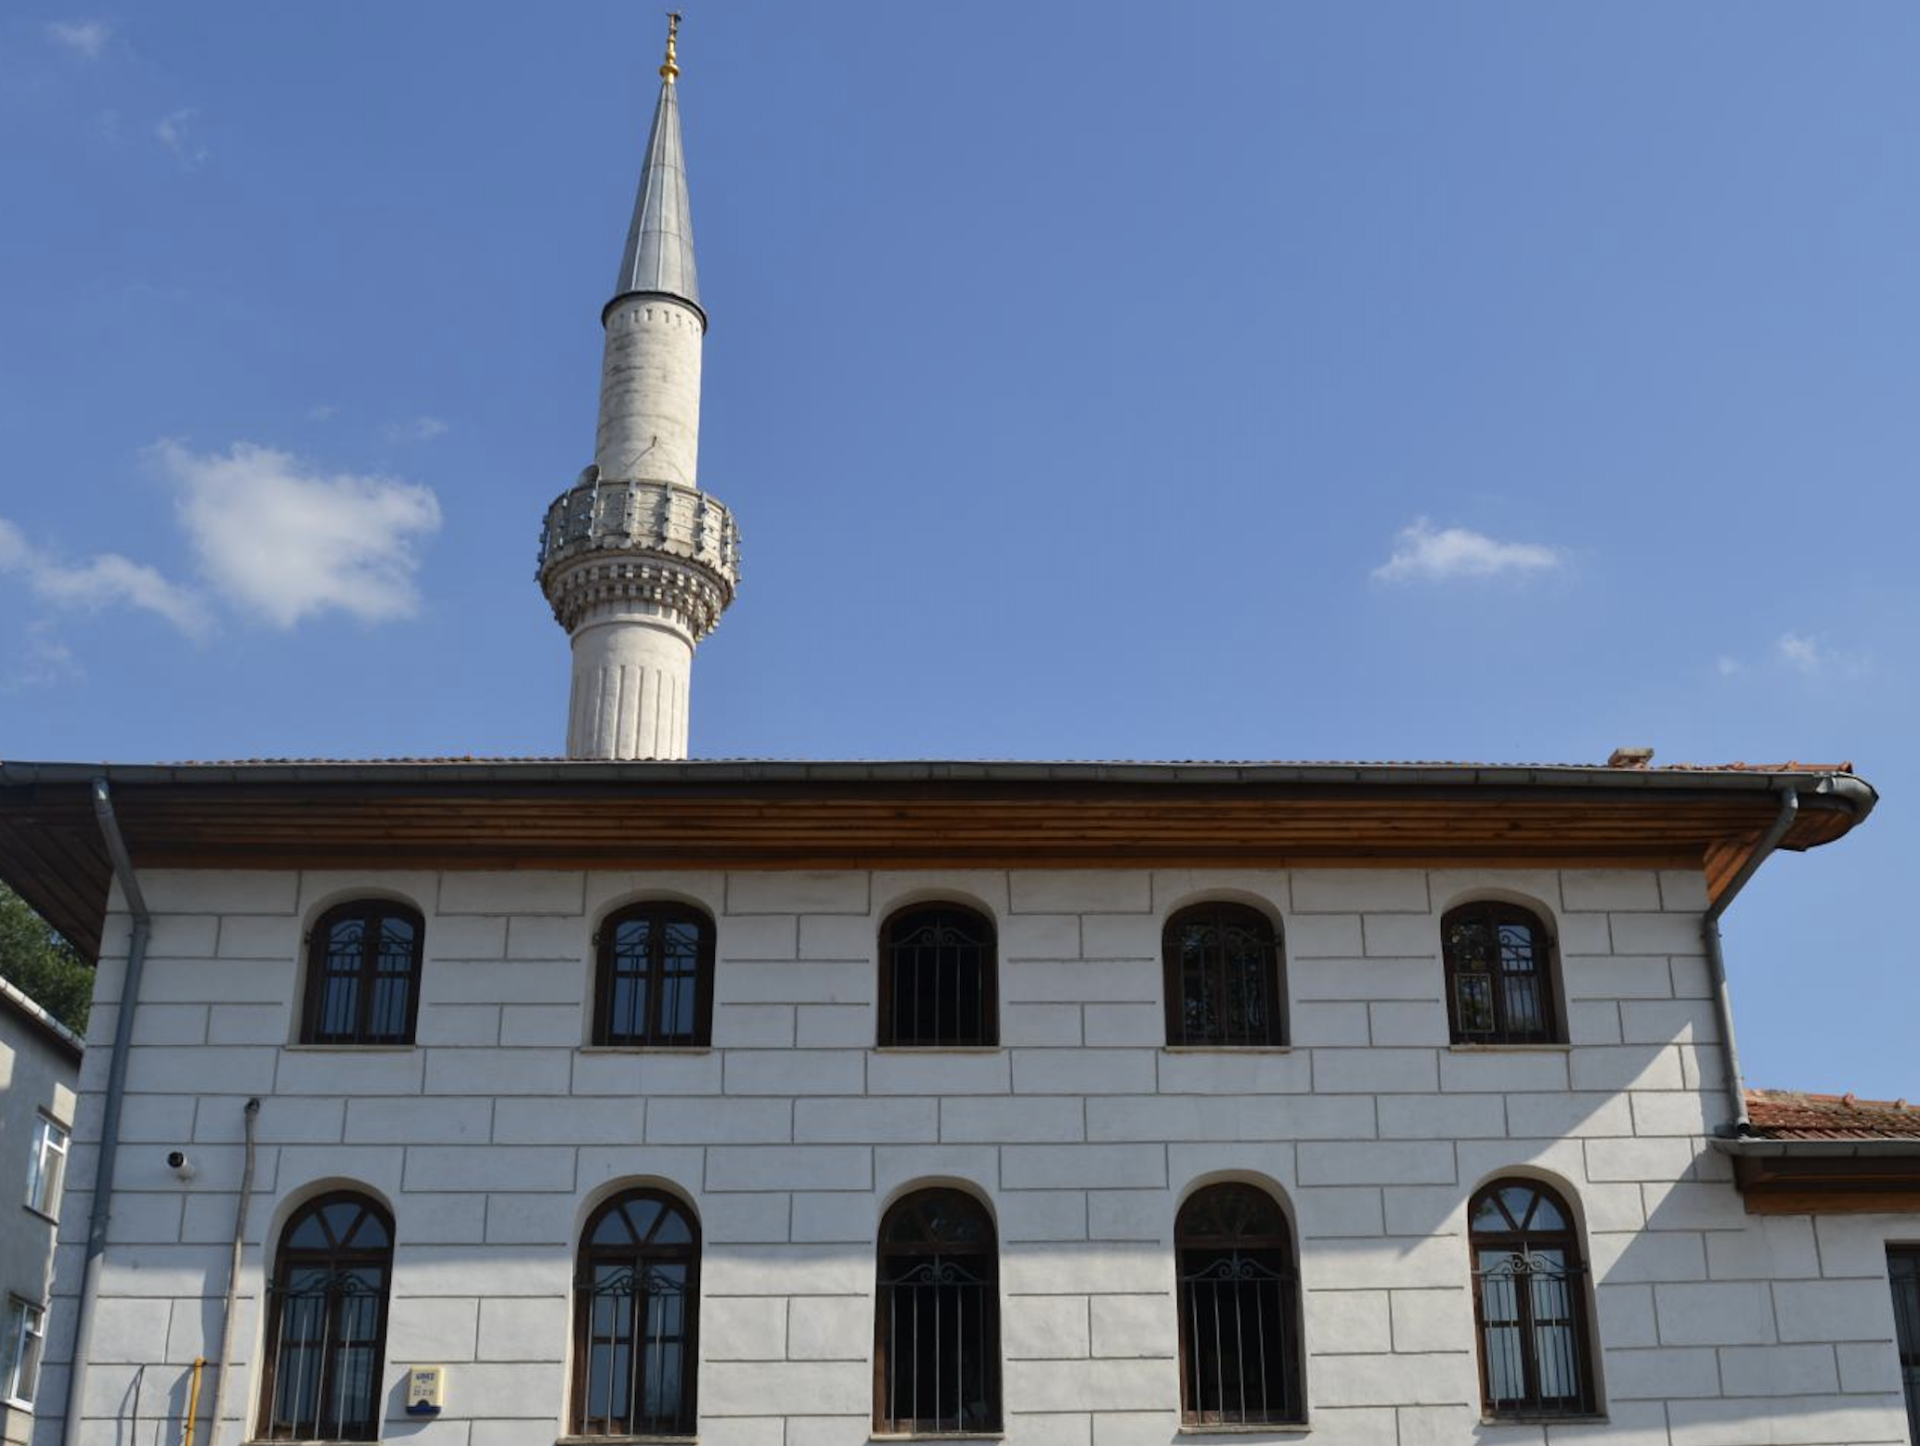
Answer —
26 1321
44 1199
1222 914
1495 914
1580 1323
371 912
605 939
581 1326
887 1035
1283 1268
286 1260
1903 1265
986 1250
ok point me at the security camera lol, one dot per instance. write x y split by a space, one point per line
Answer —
178 1162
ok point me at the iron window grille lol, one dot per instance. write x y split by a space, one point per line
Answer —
363 974
654 978
327 1323
1499 964
937 1318
1529 1303
47 1170
1223 986
937 978
1903 1272
20 1350
636 1319
1239 1311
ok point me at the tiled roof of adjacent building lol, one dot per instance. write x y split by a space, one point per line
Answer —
1793 1115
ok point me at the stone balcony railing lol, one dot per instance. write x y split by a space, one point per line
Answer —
658 540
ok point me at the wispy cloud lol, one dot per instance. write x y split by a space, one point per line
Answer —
1799 651
179 132
322 412
283 541
419 429
1424 553
104 580
1726 666
1808 654
42 661
85 38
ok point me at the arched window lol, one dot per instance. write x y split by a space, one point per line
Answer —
937 977
1529 1302
655 977
937 1317
636 1319
327 1322
1222 967
363 974
1239 1311
1499 975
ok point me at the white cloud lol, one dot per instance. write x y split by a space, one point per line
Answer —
44 660
1727 666
85 38
1423 554
179 132
322 412
283 541
420 429
104 580
1797 650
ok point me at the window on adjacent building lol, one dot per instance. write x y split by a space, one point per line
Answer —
1239 1310
1903 1269
937 977
20 1346
1222 965
47 1171
363 974
655 977
1529 1303
937 1317
327 1322
1499 961
636 1319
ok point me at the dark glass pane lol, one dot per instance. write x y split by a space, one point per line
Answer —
1473 1003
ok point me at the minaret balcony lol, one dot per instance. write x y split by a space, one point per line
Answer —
661 542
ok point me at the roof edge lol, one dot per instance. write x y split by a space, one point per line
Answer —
23 1004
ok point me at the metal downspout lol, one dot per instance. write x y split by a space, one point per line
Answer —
233 1277
110 1115
1740 1125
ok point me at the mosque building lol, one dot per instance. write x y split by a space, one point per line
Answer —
632 1097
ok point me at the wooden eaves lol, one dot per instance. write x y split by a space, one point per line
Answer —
533 814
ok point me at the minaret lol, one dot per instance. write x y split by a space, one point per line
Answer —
636 561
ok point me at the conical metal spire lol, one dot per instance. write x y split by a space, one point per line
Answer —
659 254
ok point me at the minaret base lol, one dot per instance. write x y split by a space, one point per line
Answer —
631 667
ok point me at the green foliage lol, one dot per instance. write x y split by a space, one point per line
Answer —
37 961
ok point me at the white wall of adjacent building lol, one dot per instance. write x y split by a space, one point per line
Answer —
493 1138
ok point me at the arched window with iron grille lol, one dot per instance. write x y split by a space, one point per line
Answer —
654 977
636 1319
937 982
363 974
327 1322
1529 1303
937 1317
1223 980
1239 1307
1499 962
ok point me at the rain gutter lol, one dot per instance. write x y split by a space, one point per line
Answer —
96 1247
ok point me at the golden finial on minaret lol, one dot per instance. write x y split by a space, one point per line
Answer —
670 67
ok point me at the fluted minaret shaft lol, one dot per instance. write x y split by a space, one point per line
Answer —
636 561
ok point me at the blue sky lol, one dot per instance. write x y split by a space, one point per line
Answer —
1078 373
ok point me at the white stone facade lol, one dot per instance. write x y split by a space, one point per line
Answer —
494 1137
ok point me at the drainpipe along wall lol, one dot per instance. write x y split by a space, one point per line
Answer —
1740 1124
110 1116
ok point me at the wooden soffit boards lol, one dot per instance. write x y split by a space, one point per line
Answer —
51 851
1794 1185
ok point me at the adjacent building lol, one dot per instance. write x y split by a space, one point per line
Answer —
39 1068
628 1097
